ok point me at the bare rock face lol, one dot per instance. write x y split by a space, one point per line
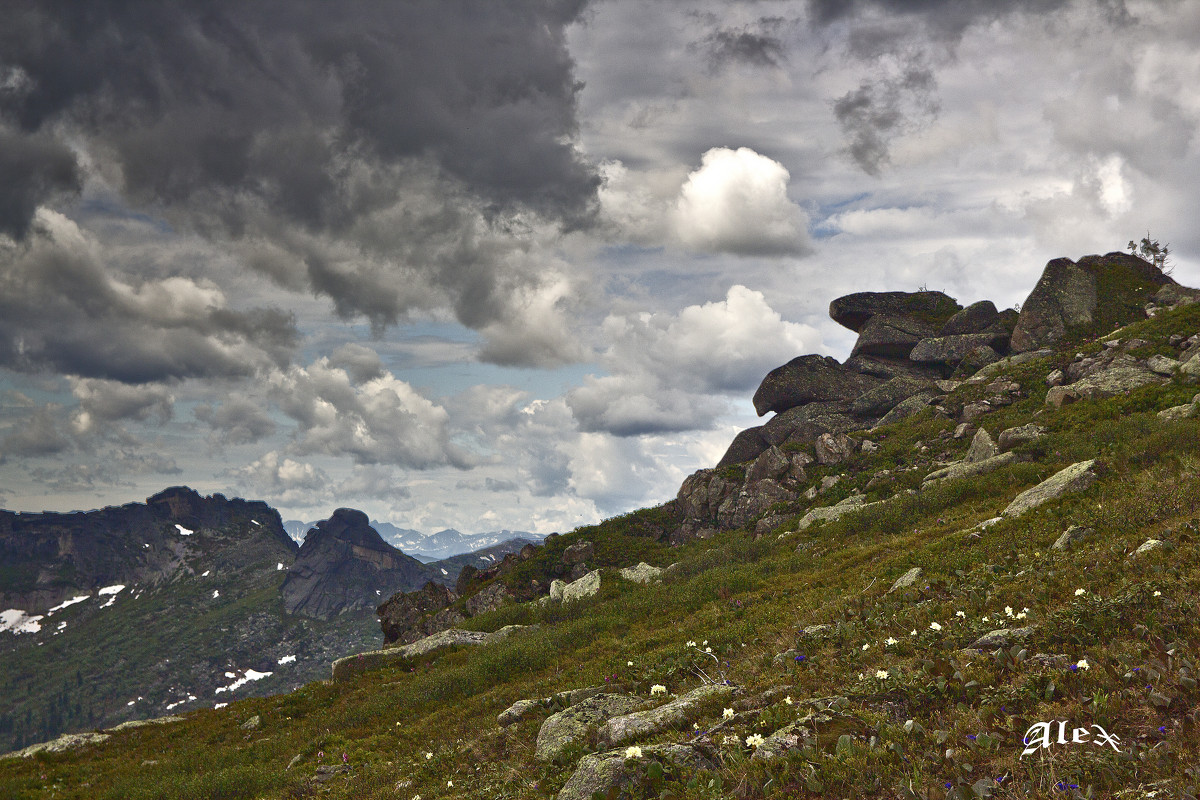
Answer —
342 564
745 446
402 615
853 310
975 318
890 336
1067 296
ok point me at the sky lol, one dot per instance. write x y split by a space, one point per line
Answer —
522 265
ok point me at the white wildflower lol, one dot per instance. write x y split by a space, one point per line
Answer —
633 752
960 614
1079 592
1157 593
629 663
1008 612
935 626
1083 664
754 740
889 641
657 688
866 647
727 713
881 674
788 699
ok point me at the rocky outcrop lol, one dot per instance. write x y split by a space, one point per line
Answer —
808 379
408 616
678 713
345 565
1068 295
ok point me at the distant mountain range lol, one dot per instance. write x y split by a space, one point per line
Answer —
187 601
427 547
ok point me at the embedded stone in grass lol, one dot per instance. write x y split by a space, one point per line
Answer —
1147 547
906 581
1071 537
1001 637
855 502
674 714
1019 435
1075 478
348 667
603 773
965 469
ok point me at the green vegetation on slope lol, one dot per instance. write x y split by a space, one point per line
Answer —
908 712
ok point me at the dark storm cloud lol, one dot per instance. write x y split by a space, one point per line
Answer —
266 97
746 46
38 435
61 310
238 420
879 110
943 17
371 152
32 171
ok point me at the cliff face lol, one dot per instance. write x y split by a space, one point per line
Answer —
345 565
48 556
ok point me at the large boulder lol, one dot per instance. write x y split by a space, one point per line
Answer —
853 310
808 379
675 714
1111 289
888 368
975 318
406 616
890 336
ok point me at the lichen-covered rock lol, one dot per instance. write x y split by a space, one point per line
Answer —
805 423
1067 296
586 586
964 469
1001 637
907 408
577 724
950 350
578 553
833 448
853 503
602 773
853 310
1148 546
642 573
772 463
1075 478
675 714
808 379
348 667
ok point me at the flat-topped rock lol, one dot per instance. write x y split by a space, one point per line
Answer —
853 310
348 667
675 714
1075 478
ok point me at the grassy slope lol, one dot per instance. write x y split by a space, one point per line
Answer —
411 730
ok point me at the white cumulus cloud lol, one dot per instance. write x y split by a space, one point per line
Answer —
737 202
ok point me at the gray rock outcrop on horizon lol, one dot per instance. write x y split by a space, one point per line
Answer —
343 563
